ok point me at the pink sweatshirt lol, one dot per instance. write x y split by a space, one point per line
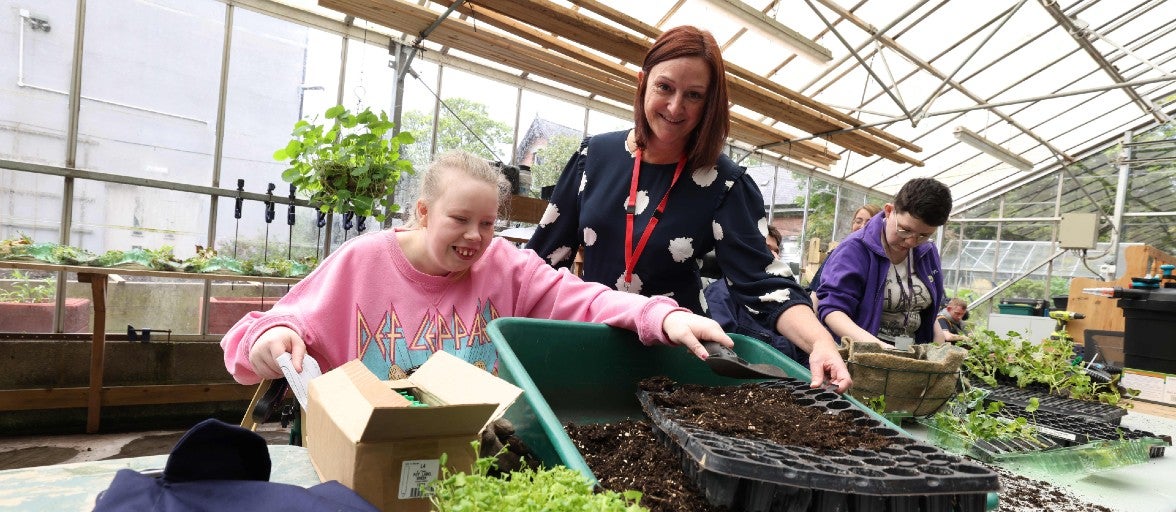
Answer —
367 301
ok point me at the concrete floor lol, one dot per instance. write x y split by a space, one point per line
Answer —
30 451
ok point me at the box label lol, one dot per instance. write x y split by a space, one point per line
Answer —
416 473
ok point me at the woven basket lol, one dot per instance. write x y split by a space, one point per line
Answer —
919 381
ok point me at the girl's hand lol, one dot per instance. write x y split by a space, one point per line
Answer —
686 329
272 343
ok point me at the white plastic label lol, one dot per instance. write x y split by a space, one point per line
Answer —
414 474
903 342
299 383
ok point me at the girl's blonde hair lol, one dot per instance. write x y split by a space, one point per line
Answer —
443 170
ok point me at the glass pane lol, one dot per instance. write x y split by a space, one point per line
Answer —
150 92
28 299
480 117
34 115
30 205
550 131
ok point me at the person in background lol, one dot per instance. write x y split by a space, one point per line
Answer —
884 283
647 204
392 298
734 318
860 218
951 320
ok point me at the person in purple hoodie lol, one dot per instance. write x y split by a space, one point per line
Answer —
885 283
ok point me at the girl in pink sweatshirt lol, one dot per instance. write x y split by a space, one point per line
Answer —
392 298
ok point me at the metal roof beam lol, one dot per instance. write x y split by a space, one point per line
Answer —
861 62
1079 36
934 71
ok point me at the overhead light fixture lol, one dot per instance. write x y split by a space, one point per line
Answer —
772 29
992 149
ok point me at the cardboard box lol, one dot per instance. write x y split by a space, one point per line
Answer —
364 434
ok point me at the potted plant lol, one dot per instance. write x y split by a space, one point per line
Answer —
347 164
27 306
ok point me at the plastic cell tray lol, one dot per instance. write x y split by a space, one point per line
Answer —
1019 398
760 475
1074 431
1080 458
990 450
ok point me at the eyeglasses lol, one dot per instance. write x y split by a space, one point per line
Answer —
907 234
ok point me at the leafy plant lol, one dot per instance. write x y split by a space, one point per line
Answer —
967 418
558 488
28 290
347 165
15 247
992 358
877 404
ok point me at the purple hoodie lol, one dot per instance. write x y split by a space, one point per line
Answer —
854 280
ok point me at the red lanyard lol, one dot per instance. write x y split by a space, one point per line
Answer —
631 254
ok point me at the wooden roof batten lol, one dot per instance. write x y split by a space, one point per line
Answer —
558 59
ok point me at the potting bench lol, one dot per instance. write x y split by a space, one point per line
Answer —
96 395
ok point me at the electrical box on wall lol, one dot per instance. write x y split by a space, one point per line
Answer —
1078 231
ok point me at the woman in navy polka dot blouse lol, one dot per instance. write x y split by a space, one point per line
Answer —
646 204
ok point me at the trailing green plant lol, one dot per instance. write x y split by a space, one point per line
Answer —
967 416
877 404
28 290
558 488
347 164
1050 363
13 248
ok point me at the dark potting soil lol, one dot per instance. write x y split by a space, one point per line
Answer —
750 411
626 455
1021 494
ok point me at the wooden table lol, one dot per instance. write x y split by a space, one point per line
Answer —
96 395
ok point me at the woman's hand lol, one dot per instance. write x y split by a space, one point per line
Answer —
827 367
686 329
272 343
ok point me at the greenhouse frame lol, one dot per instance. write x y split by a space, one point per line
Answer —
153 126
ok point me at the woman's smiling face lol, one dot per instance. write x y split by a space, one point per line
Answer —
674 99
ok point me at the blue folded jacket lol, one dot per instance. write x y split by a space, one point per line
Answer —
216 466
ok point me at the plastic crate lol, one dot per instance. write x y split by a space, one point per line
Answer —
752 474
1037 307
1015 309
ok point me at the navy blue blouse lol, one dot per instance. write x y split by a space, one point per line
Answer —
718 208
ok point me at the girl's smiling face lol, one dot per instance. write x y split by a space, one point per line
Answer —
459 224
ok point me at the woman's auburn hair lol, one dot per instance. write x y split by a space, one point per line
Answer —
707 140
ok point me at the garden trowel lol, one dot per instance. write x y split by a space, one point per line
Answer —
726 362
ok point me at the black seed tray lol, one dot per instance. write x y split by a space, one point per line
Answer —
758 475
1019 397
1073 431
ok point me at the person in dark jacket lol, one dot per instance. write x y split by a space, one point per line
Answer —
951 320
885 283
721 307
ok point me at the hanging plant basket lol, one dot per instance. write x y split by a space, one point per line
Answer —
347 164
